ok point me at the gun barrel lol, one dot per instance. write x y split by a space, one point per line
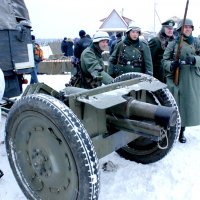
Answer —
154 132
162 115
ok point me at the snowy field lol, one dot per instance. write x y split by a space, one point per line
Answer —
176 177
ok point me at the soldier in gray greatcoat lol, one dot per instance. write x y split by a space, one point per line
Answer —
131 54
186 93
92 64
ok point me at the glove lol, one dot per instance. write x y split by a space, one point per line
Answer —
116 70
98 77
174 65
190 60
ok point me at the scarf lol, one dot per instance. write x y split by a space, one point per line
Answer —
128 41
188 39
164 39
96 49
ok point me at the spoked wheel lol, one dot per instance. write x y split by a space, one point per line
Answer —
144 150
50 152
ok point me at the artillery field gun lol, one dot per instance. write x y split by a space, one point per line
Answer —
54 139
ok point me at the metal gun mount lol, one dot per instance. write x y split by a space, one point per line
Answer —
54 139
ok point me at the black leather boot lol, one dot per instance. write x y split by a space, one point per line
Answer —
1 174
182 138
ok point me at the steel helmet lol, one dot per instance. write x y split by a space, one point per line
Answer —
133 26
99 36
188 22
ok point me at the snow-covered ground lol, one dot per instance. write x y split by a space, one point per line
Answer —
176 177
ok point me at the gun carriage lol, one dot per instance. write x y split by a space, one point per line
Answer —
54 139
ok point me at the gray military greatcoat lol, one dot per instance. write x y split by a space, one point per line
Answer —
187 92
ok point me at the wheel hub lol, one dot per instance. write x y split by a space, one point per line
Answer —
41 163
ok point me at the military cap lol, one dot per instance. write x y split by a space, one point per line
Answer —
168 23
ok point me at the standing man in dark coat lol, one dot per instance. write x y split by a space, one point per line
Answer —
187 92
112 39
82 44
70 50
64 46
79 47
158 45
118 39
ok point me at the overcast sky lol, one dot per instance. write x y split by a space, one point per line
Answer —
60 18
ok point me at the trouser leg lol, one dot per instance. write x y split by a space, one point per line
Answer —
34 78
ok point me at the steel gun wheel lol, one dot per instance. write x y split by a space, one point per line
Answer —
50 152
144 150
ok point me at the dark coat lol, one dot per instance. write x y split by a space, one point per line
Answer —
113 44
70 50
82 44
187 93
157 46
112 39
64 46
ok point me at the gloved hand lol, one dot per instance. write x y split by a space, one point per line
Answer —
98 78
190 60
175 64
116 70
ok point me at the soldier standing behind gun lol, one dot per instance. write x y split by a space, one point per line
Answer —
81 44
186 93
119 38
131 54
158 45
92 64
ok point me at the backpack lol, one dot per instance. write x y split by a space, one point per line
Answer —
38 53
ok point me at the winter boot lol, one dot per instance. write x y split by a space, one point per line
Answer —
182 138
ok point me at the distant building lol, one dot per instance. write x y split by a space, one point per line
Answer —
114 23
